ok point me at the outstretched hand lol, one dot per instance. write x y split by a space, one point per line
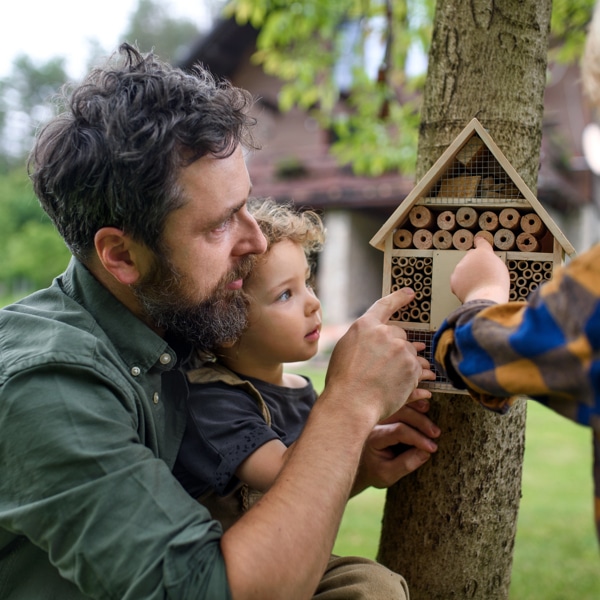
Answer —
480 275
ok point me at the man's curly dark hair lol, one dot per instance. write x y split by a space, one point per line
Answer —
112 155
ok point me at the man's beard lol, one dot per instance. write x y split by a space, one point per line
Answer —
207 323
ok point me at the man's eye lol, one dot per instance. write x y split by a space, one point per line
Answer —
222 227
284 296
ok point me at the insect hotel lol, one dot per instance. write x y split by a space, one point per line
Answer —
471 190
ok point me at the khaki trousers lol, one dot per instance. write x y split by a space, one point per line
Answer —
355 578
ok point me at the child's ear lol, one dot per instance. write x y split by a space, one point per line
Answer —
120 256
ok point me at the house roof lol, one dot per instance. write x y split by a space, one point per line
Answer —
221 50
436 173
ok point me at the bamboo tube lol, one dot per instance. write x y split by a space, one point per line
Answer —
402 238
442 239
531 223
526 242
488 221
426 306
504 239
509 218
423 239
397 272
462 239
512 295
466 217
446 220
426 290
487 235
420 217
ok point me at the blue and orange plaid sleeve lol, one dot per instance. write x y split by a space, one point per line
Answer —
547 349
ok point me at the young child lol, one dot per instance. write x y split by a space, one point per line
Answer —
548 348
245 410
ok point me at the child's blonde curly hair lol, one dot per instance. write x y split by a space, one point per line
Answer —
281 221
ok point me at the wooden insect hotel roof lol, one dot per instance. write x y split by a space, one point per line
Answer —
473 171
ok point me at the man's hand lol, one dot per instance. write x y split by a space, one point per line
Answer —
381 465
373 367
480 275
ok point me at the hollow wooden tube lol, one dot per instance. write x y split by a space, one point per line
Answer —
402 238
486 235
466 217
488 221
420 217
423 239
462 239
442 239
446 220
509 218
504 239
531 223
527 242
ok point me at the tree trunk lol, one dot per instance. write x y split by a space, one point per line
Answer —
449 528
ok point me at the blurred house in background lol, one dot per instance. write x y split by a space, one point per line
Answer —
295 165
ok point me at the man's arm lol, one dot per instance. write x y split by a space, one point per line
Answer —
380 466
292 528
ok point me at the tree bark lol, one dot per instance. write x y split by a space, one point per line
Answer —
449 528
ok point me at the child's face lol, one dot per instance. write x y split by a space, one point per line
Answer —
285 315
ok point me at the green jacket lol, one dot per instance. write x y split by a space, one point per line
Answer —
91 419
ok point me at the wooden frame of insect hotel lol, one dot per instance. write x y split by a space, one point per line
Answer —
471 190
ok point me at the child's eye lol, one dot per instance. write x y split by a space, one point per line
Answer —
284 296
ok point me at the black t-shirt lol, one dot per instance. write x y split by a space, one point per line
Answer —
225 425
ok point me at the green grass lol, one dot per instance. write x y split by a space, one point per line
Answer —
556 553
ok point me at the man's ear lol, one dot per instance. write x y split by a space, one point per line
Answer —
120 256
